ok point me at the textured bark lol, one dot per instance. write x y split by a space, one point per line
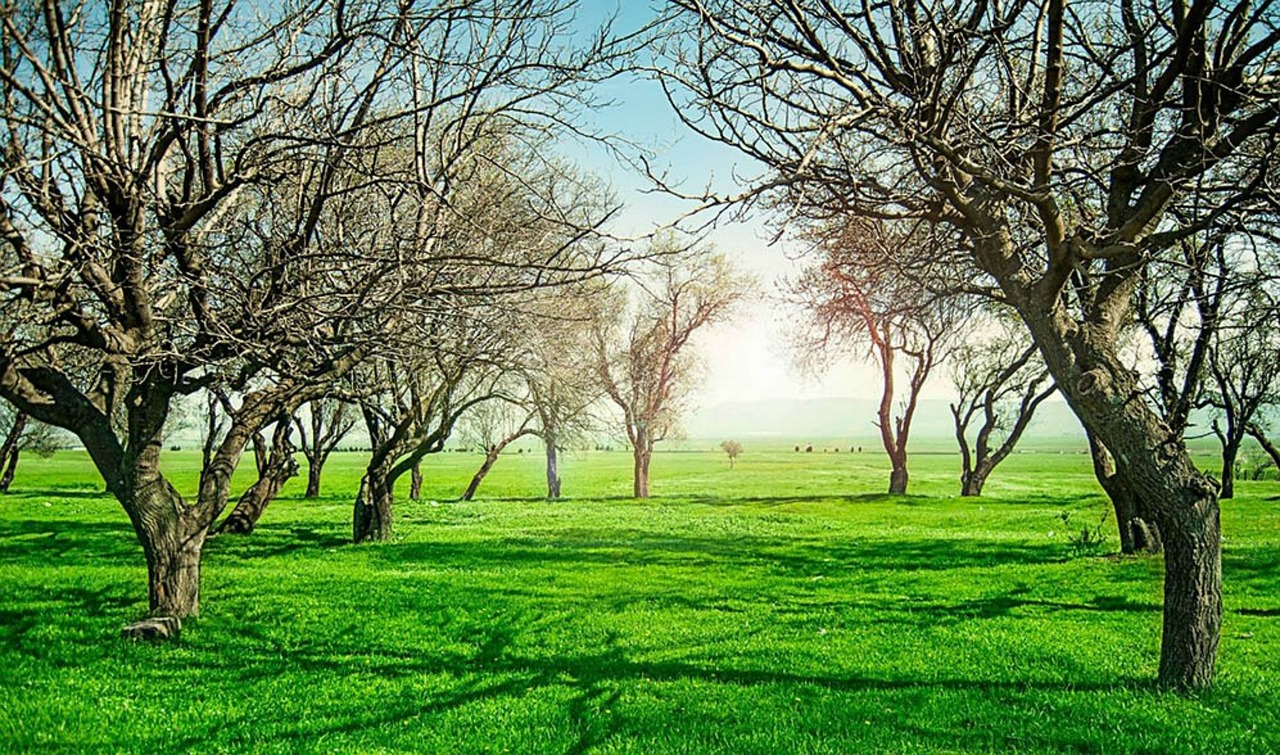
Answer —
1229 453
274 470
172 539
1139 532
1192 596
371 519
971 481
898 478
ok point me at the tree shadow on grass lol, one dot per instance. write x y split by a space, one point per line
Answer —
597 679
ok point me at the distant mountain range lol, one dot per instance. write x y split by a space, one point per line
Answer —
853 418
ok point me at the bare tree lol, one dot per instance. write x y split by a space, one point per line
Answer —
491 427
851 301
1000 381
644 359
23 435
1244 361
1070 147
168 170
327 422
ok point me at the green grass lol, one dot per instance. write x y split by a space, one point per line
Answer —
784 606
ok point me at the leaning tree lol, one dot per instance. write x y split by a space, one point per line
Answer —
1070 144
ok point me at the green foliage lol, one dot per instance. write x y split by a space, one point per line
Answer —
786 606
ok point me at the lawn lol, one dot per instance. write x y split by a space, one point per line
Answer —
784 606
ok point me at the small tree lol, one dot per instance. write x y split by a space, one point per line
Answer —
732 449
328 421
851 299
1000 381
23 434
646 366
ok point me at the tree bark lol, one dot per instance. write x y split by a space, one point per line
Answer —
553 467
371 519
898 478
640 479
1139 532
172 538
490 458
1192 595
1229 452
314 467
415 483
9 451
275 468
972 481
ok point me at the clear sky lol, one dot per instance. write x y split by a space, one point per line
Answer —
747 359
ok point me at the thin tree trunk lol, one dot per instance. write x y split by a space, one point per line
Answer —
9 451
1230 449
315 465
553 471
10 468
640 480
481 473
415 483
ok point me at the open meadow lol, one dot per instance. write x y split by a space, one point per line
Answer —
783 606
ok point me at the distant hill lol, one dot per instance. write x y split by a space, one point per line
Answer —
852 418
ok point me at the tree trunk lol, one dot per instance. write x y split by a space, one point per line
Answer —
314 467
172 540
9 451
1192 596
1230 450
1138 530
898 478
10 468
1265 442
971 482
415 483
481 473
553 468
274 469
640 479
371 519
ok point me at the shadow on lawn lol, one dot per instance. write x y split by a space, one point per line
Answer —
598 679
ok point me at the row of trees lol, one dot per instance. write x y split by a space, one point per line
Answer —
271 206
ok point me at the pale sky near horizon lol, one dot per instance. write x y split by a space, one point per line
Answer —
746 359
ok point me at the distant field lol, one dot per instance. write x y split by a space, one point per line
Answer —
780 607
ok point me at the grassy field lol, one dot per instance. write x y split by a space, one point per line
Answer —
784 606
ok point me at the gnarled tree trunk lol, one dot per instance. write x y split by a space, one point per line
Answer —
371 518
1139 531
640 472
274 470
314 469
